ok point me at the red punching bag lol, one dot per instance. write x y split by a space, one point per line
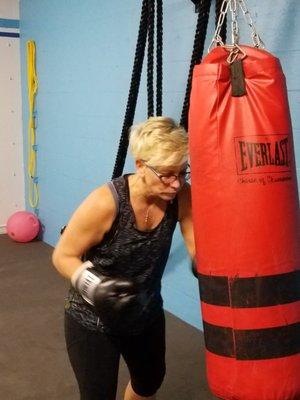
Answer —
246 223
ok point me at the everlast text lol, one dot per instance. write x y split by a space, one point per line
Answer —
257 155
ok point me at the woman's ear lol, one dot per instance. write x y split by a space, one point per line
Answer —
140 167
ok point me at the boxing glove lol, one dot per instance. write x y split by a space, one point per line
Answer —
110 296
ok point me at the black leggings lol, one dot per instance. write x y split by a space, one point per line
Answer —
95 357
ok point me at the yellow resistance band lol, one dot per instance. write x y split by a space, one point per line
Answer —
33 189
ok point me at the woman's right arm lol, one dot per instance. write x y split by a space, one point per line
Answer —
87 226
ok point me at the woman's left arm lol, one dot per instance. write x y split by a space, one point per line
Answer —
185 218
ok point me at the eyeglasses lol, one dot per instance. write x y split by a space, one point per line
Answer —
170 178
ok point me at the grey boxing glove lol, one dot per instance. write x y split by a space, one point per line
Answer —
111 297
85 281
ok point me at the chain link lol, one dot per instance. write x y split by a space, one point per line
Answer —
234 24
232 6
217 40
257 41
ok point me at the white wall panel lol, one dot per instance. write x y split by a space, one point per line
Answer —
11 138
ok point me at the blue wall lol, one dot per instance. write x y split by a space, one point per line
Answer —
84 60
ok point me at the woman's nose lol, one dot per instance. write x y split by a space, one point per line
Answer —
176 184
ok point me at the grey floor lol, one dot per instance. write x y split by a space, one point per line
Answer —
33 359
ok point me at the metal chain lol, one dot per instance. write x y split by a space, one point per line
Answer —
235 32
257 41
223 31
232 6
217 39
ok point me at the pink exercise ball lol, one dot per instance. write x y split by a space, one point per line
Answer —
23 226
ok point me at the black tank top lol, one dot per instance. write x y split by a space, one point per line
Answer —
128 252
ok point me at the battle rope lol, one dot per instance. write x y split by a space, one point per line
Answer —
146 28
133 91
159 55
203 8
150 60
150 56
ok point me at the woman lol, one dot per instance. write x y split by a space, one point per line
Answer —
123 230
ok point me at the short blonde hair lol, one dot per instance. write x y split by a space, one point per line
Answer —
159 141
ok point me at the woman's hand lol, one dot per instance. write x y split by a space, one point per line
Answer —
185 218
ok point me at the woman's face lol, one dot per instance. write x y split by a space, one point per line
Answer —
164 181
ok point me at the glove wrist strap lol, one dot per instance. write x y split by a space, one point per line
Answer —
85 281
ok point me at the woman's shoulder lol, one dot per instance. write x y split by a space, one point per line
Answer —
100 200
94 216
106 198
102 196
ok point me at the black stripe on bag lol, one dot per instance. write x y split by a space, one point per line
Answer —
254 344
259 291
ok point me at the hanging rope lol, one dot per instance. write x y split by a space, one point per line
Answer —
203 7
159 56
33 190
146 28
133 91
150 60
